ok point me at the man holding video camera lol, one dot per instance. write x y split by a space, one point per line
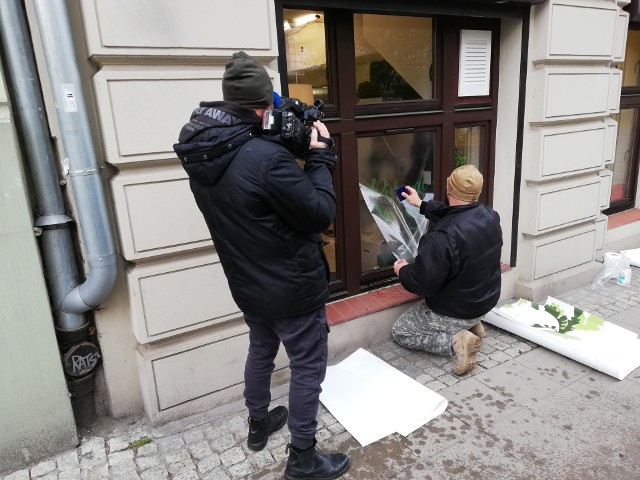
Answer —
265 214
457 271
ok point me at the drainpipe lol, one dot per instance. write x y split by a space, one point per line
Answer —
70 300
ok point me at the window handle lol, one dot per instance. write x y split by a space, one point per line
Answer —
398 130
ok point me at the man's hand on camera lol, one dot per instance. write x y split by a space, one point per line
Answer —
320 137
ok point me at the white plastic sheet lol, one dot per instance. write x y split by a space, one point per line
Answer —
571 332
371 399
633 256
401 226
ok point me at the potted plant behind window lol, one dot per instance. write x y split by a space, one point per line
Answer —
459 158
369 91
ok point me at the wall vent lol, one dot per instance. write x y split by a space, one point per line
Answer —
475 63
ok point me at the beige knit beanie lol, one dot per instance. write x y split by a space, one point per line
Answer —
465 183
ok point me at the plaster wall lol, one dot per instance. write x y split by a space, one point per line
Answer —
573 88
172 311
35 408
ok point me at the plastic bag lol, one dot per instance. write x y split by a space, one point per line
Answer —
616 266
634 256
401 226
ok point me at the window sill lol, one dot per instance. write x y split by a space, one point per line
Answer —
623 218
354 307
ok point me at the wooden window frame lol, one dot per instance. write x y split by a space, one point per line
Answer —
348 120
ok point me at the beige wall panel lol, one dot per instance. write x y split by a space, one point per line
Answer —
176 296
610 140
548 254
576 94
601 230
568 93
564 254
165 27
557 37
615 88
156 213
606 180
176 373
622 25
595 36
566 149
142 110
561 204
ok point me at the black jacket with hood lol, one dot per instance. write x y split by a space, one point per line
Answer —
264 212
457 269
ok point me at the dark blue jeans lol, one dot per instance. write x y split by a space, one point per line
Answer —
305 339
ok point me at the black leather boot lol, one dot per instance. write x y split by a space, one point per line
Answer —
310 464
259 430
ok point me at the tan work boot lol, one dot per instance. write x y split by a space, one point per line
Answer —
478 330
465 345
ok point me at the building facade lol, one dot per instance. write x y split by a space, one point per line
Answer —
537 94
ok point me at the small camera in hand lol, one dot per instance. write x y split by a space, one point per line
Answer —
293 120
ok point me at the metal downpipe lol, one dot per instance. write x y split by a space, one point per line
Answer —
60 56
28 108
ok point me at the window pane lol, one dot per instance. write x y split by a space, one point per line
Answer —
386 163
394 57
306 55
468 147
621 166
631 65
329 239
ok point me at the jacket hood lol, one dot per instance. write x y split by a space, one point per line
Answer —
209 141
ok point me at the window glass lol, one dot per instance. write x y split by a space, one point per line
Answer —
386 163
394 57
468 147
306 55
621 166
631 65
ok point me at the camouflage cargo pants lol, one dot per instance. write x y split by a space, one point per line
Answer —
419 328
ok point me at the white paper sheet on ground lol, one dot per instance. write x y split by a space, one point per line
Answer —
633 256
372 399
585 338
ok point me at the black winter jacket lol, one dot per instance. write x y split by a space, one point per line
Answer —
457 268
264 212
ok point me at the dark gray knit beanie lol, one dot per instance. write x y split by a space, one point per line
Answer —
246 82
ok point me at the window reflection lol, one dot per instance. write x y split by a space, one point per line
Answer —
621 166
307 79
631 65
468 147
306 55
385 163
394 56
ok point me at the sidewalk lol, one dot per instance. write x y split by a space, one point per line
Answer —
524 413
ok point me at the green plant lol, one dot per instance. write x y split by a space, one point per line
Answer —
459 159
369 89
565 324
140 442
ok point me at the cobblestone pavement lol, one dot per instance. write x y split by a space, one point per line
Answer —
212 446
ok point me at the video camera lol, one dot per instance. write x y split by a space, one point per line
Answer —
292 120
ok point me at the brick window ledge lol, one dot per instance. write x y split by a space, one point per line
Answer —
354 307
623 218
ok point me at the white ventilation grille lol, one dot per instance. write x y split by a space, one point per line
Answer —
475 63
